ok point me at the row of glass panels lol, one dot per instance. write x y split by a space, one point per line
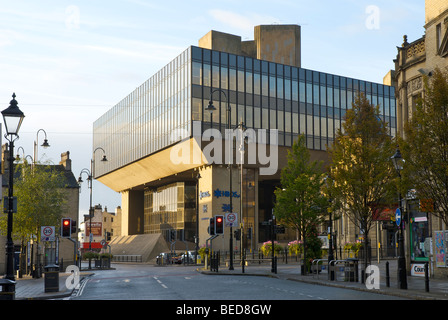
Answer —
264 95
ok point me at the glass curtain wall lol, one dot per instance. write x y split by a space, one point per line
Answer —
153 116
262 94
267 95
171 207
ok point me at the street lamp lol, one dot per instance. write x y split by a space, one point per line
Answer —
196 238
90 174
12 118
330 229
243 129
212 108
36 142
398 162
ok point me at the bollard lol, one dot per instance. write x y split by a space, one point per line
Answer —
387 274
426 277
274 265
331 270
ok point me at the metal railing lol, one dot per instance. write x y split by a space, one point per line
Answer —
317 267
127 258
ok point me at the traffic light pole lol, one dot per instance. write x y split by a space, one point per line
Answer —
207 251
75 251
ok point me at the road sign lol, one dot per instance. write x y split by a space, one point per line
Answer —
104 243
398 216
47 233
231 219
279 229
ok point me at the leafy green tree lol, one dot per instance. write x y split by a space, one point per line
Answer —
300 204
425 147
40 200
360 165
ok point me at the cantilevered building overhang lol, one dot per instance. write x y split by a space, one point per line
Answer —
144 134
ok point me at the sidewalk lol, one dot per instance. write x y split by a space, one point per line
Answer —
438 289
28 288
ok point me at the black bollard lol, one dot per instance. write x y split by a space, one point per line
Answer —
387 274
426 277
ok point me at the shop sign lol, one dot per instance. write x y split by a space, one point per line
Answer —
418 269
96 227
441 238
204 194
219 193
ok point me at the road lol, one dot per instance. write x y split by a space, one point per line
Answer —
182 283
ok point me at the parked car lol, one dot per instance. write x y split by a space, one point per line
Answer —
176 258
188 257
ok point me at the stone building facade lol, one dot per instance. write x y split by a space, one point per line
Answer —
426 238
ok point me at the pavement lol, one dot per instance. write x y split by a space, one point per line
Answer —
416 287
28 288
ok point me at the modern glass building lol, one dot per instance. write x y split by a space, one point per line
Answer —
138 132
262 94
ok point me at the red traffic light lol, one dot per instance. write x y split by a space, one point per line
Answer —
219 225
66 228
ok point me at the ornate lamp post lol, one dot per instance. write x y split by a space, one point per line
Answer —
12 118
398 162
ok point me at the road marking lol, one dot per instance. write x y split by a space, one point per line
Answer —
160 282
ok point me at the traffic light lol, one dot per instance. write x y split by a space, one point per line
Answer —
66 227
173 234
219 224
74 228
211 228
237 234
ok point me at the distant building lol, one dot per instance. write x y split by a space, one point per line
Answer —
102 224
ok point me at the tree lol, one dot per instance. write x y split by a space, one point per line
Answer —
425 147
40 200
300 202
360 165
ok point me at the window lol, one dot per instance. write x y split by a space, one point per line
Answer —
438 36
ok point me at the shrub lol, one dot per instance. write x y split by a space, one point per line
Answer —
266 248
295 247
89 255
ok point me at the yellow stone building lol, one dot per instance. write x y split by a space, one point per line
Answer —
425 234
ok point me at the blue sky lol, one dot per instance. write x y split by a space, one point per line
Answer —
70 61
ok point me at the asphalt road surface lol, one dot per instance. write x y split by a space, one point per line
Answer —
183 283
